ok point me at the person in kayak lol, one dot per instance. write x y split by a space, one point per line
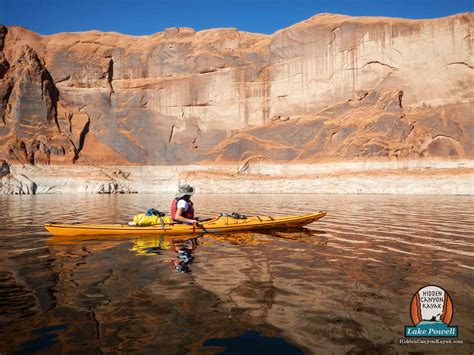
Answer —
182 209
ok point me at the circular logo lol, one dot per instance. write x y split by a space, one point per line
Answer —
431 304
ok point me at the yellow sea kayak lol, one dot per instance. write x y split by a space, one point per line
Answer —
215 225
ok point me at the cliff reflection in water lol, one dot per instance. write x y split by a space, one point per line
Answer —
344 284
138 295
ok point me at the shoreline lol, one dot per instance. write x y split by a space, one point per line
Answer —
431 177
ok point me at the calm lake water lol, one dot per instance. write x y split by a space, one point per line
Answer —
343 285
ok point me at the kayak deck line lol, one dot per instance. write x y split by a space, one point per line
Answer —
214 225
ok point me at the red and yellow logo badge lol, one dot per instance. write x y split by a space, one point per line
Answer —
431 311
431 303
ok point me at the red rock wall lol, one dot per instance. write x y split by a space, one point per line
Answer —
330 87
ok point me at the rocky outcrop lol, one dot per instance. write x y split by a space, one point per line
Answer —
17 185
31 180
114 188
257 175
369 125
331 87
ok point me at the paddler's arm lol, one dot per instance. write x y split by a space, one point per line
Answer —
179 217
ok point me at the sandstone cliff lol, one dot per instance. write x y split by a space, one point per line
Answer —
331 87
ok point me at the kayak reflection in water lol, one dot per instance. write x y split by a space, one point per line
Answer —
150 246
184 250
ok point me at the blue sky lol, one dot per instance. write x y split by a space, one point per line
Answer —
146 16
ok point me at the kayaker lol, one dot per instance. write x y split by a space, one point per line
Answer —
182 207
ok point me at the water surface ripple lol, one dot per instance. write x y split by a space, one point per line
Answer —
342 285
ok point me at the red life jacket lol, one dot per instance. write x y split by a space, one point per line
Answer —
186 214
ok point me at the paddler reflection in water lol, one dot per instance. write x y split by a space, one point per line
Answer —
182 210
184 252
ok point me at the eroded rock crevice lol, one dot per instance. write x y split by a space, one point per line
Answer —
171 133
400 97
333 38
462 63
4 169
69 116
82 139
4 65
110 76
66 78
379 63
51 96
6 86
3 33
